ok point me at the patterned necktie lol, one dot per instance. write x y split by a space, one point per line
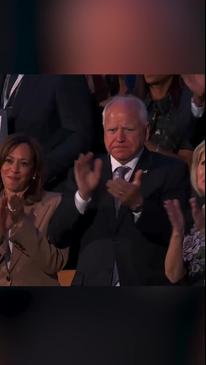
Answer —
120 173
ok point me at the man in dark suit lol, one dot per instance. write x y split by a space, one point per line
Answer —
56 110
120 217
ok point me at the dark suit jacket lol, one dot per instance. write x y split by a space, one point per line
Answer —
56 110
138 248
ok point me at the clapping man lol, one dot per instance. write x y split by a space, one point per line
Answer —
116 203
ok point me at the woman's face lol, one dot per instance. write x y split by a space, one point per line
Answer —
201 174
17 169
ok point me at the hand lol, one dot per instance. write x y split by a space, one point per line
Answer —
197 214
87 176
196 83
3 212
15 207
11 211
128 193
175 216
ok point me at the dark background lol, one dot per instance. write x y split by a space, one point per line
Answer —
111 326
117 326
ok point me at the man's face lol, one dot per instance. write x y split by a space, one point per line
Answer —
124 132
156 79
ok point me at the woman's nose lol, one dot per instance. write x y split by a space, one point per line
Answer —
15 167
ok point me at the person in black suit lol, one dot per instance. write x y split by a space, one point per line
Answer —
57 111
121 221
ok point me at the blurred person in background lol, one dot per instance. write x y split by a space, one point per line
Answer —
175 105
186 254
27 256
54 109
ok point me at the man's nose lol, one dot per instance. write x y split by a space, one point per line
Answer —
120 135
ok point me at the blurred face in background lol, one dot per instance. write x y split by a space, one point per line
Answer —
201 174
121 36
153 80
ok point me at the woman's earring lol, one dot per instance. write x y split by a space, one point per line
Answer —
34 177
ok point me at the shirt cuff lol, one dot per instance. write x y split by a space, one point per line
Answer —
136 216
197 111
80 203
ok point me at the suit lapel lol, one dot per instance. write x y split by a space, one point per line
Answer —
27 83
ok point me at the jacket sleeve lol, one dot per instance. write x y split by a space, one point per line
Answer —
36 245
74 110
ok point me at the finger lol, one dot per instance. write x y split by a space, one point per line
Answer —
88 157
116 187
117 182
113 193
113 189
80 157
193 203
85 157
168 205
98 166
194 207
119 186
138 177
171 207
82 164
196 211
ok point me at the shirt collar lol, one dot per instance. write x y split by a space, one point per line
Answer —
132 163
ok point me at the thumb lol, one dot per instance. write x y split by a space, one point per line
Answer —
138 178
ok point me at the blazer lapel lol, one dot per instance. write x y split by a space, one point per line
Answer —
36 212
16 253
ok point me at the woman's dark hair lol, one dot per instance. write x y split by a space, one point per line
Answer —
175 89
34 192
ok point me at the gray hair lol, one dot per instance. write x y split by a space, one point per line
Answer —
199 150
140 106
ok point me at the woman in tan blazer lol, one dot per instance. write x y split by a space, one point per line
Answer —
27 257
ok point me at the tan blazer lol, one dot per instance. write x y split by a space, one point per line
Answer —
34 261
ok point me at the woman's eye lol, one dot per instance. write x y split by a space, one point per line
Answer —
24 163
8 160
